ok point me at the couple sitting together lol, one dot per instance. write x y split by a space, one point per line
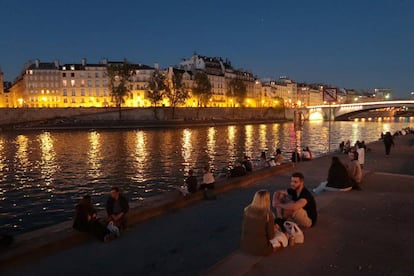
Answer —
86 219
260 225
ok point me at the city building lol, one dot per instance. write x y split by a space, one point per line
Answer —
383 94
220 72
49 84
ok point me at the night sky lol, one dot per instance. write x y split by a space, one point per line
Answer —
362 44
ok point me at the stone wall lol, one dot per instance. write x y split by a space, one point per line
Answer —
12 116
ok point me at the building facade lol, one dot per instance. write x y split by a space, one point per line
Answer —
49 84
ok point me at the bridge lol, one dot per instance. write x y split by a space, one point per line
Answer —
343 112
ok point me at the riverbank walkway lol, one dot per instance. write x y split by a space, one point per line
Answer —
366 232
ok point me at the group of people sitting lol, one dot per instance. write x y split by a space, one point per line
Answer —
306 155
343 177
260 225
192 185
105 229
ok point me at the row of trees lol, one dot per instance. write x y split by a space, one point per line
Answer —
120 78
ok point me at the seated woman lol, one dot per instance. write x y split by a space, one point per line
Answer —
279 157
258 226
338 178
208 179
86 220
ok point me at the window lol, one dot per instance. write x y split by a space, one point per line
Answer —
64 83
82 83
65 92
97 75
72 83
82 92
73 92
97 92
72 75
73 100
97 83
89 83
83 100
105 93
65 100
104 83
82 75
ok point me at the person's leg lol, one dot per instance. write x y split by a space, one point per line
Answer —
300 217
98 230
321 187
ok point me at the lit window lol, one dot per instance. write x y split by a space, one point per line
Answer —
72 83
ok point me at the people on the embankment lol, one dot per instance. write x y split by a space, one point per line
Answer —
295 156
191 182
295 203
117 208
258 226
306 154
354 170
86 220
388 142
208 179
338 178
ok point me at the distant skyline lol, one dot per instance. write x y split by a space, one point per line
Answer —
349 44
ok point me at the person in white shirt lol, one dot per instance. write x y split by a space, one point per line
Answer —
208 179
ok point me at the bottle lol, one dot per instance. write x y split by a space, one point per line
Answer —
291 241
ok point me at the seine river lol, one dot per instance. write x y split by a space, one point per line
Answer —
43 174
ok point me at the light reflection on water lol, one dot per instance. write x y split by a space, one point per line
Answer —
43 174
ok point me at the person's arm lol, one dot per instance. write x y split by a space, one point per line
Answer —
279 196
109 207
125 205
270 227
294 205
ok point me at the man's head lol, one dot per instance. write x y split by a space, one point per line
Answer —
297 181
115 193
190 172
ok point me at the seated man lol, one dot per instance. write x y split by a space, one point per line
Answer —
247 164
238 170
296 203
191 182
117 208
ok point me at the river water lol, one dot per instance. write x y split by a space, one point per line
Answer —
43 174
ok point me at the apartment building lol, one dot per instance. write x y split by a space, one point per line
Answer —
49 84
220 73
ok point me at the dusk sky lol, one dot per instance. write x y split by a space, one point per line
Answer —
362 44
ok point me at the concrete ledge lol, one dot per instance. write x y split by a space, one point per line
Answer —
61 236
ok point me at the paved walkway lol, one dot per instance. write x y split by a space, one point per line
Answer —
366 231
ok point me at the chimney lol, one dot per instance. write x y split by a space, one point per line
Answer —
37 62
156 66
104 61
84 62
57 63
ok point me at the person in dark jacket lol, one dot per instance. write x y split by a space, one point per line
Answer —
86 220
191 182
238 170
338 178
388 142
117 208
295 156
